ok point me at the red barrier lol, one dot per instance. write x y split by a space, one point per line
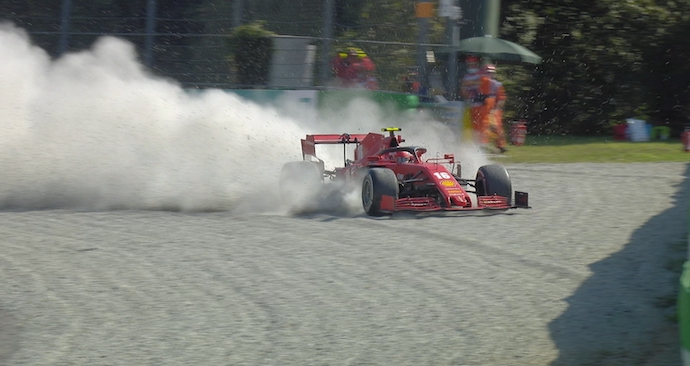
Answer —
518 132
619 131
685 138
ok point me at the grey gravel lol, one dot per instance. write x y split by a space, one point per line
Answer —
584 278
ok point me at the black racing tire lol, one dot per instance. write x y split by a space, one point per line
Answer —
494 179
300 185
378 182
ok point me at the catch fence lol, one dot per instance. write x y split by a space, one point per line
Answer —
192 46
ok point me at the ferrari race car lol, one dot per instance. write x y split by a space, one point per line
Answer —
398 178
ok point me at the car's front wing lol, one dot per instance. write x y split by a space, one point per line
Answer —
427 204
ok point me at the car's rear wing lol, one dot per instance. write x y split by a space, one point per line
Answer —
309 143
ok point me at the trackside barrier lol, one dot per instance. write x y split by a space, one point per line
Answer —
339 98
518 132
329 99
684 308
685 139
276 97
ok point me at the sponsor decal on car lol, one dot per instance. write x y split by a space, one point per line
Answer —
448 183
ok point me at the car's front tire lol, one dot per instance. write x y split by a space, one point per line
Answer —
378 185
494 180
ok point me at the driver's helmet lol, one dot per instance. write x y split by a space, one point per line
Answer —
403 157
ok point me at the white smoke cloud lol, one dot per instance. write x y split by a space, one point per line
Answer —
95 130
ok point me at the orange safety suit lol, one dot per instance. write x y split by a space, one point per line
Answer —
495 129
488 105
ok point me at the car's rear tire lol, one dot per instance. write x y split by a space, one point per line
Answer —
300 185
378 182
494 179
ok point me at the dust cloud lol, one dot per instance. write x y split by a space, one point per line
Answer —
95 130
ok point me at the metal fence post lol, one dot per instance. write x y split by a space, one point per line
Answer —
327 36
423 11
64 26
454 14
150 30
237 9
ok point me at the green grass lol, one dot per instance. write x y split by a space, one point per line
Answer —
569 149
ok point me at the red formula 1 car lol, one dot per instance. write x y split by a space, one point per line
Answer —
398 178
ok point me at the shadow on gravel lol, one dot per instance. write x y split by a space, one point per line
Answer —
333 215
327 216
624 313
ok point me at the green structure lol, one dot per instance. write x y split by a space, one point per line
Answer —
337 99
332 100
684 308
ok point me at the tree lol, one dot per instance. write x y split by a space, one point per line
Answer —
596 66
251 47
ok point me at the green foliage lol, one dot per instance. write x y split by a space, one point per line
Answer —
604 61
251 48
670 71
348 14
